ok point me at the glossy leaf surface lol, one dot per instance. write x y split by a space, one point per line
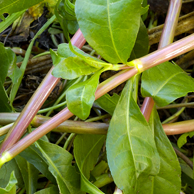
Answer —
12 6
82 96
59 161
72 67
86 151
11 186
165 83
168 179
110 27
29 174
131 150
34 156
69 66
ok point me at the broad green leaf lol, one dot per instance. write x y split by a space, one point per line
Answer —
86 152
110 27
5 173
29 174
34 156
12 6
4 100
165 83
72 67
65 51
59 161
11 185
69 66
108 103
82 96
183 138
142 43
50 190
168 180
131 150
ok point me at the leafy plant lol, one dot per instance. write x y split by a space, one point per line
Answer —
136 154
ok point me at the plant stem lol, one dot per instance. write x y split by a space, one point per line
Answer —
174 116
185 24
52 107
189 104
166 38
151 60
183 157
27 55
36 102
71 136
81 127
103 180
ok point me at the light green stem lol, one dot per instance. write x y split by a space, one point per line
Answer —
52 107
27 55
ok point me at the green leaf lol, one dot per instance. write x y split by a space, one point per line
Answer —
5 173
59 161
165 83
64 11
82 96
11 186
9 20
8 68
4 100
142 43
12 6
7 59
108 103
131 150
50 190
29 174
110 27
86 152
183 138
168 180
34 156
72 67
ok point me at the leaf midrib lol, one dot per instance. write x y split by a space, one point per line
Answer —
89 153
129 136
52 164
110 30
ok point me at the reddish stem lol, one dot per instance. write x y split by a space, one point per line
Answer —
159 56
166 38
36 101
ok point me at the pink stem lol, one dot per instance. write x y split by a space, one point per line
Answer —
166 38
159 56
36 101
179 127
